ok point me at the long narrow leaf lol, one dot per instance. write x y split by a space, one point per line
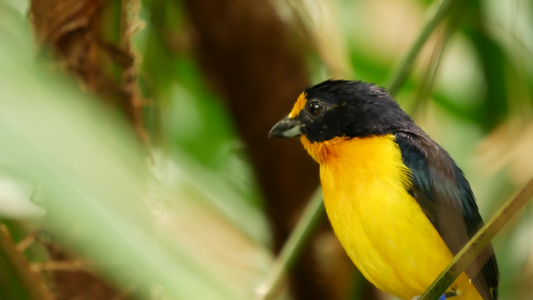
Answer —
398 79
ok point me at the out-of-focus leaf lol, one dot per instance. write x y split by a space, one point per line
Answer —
195 126
495 105
98 192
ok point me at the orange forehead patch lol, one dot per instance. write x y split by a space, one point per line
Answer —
298 106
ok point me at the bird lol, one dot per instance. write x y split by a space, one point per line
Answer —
398 203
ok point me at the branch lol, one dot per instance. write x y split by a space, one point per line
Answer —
18 279
482 238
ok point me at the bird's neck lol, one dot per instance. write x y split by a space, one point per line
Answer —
321 151
367 155
352 149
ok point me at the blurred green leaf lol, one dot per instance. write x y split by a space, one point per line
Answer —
98 189
196 127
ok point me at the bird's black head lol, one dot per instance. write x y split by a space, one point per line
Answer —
341 108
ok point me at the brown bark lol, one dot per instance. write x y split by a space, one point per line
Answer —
77 283
73 31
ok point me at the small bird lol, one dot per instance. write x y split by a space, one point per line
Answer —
397 201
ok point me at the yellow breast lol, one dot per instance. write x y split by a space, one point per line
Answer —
380 225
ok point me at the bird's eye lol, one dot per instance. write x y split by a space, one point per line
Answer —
315 108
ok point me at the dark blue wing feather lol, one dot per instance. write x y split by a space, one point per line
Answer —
444 194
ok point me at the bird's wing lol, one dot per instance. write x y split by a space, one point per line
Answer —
444 194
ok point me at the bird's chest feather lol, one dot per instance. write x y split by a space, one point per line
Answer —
380 225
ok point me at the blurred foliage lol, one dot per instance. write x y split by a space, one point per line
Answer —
166 228
180 99
181 216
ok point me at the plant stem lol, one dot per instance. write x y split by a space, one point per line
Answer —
312 213
482 238
400 76
18 280
428 82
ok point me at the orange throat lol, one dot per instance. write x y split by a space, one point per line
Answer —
322 151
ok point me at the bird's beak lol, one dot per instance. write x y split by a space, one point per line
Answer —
286 128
